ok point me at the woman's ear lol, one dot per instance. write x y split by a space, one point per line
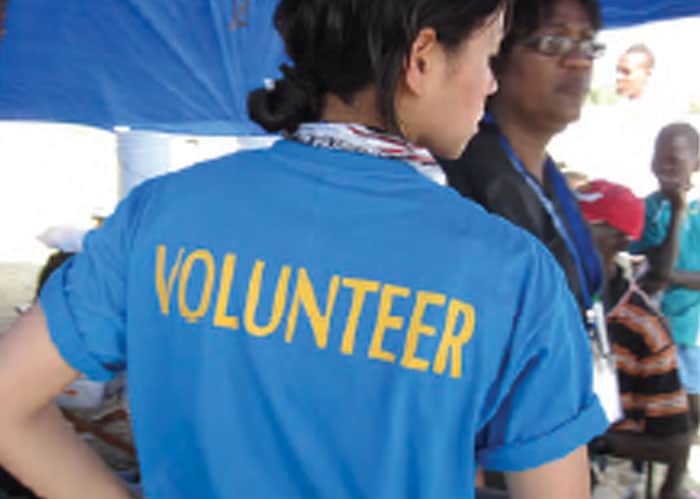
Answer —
421 60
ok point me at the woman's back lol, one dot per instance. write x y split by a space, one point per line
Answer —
324 326
313 322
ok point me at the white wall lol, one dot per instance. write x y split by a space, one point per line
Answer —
50 175
54 174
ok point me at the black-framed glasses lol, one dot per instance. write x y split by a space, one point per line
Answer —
560 45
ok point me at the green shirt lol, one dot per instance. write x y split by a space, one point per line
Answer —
680 305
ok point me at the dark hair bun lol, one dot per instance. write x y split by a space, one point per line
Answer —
341 47
294 99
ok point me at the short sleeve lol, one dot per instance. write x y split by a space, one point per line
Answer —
84 301
549 409
656 221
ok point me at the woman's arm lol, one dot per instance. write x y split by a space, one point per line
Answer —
36 444
568 477
686 279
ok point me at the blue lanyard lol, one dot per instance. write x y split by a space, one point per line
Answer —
549 208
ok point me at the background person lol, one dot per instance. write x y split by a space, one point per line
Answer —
634 68
544 72
656 423
319 319
615 140
671 241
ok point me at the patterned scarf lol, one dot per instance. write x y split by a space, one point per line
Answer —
359 138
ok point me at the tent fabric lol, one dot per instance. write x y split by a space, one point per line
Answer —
159 64
166 65
623 13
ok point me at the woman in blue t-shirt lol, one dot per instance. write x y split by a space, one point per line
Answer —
323 318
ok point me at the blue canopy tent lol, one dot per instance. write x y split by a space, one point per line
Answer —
168 65
622 13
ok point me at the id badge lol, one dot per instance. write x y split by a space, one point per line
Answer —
605 382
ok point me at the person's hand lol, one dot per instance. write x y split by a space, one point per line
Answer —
652 283
675 193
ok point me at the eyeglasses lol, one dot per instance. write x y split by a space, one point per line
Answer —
560 45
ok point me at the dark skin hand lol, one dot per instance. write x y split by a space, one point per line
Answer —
662 258
683 278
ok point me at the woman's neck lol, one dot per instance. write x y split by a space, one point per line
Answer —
529 143
362 110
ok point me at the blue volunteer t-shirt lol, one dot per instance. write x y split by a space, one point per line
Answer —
301 322
680 305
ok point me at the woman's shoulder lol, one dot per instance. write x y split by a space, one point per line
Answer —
483 162
499 238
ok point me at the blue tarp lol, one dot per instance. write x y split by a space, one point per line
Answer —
158 64
621 13
170 65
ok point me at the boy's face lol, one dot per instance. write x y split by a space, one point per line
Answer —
675 161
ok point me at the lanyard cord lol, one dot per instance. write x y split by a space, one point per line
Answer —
549 208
